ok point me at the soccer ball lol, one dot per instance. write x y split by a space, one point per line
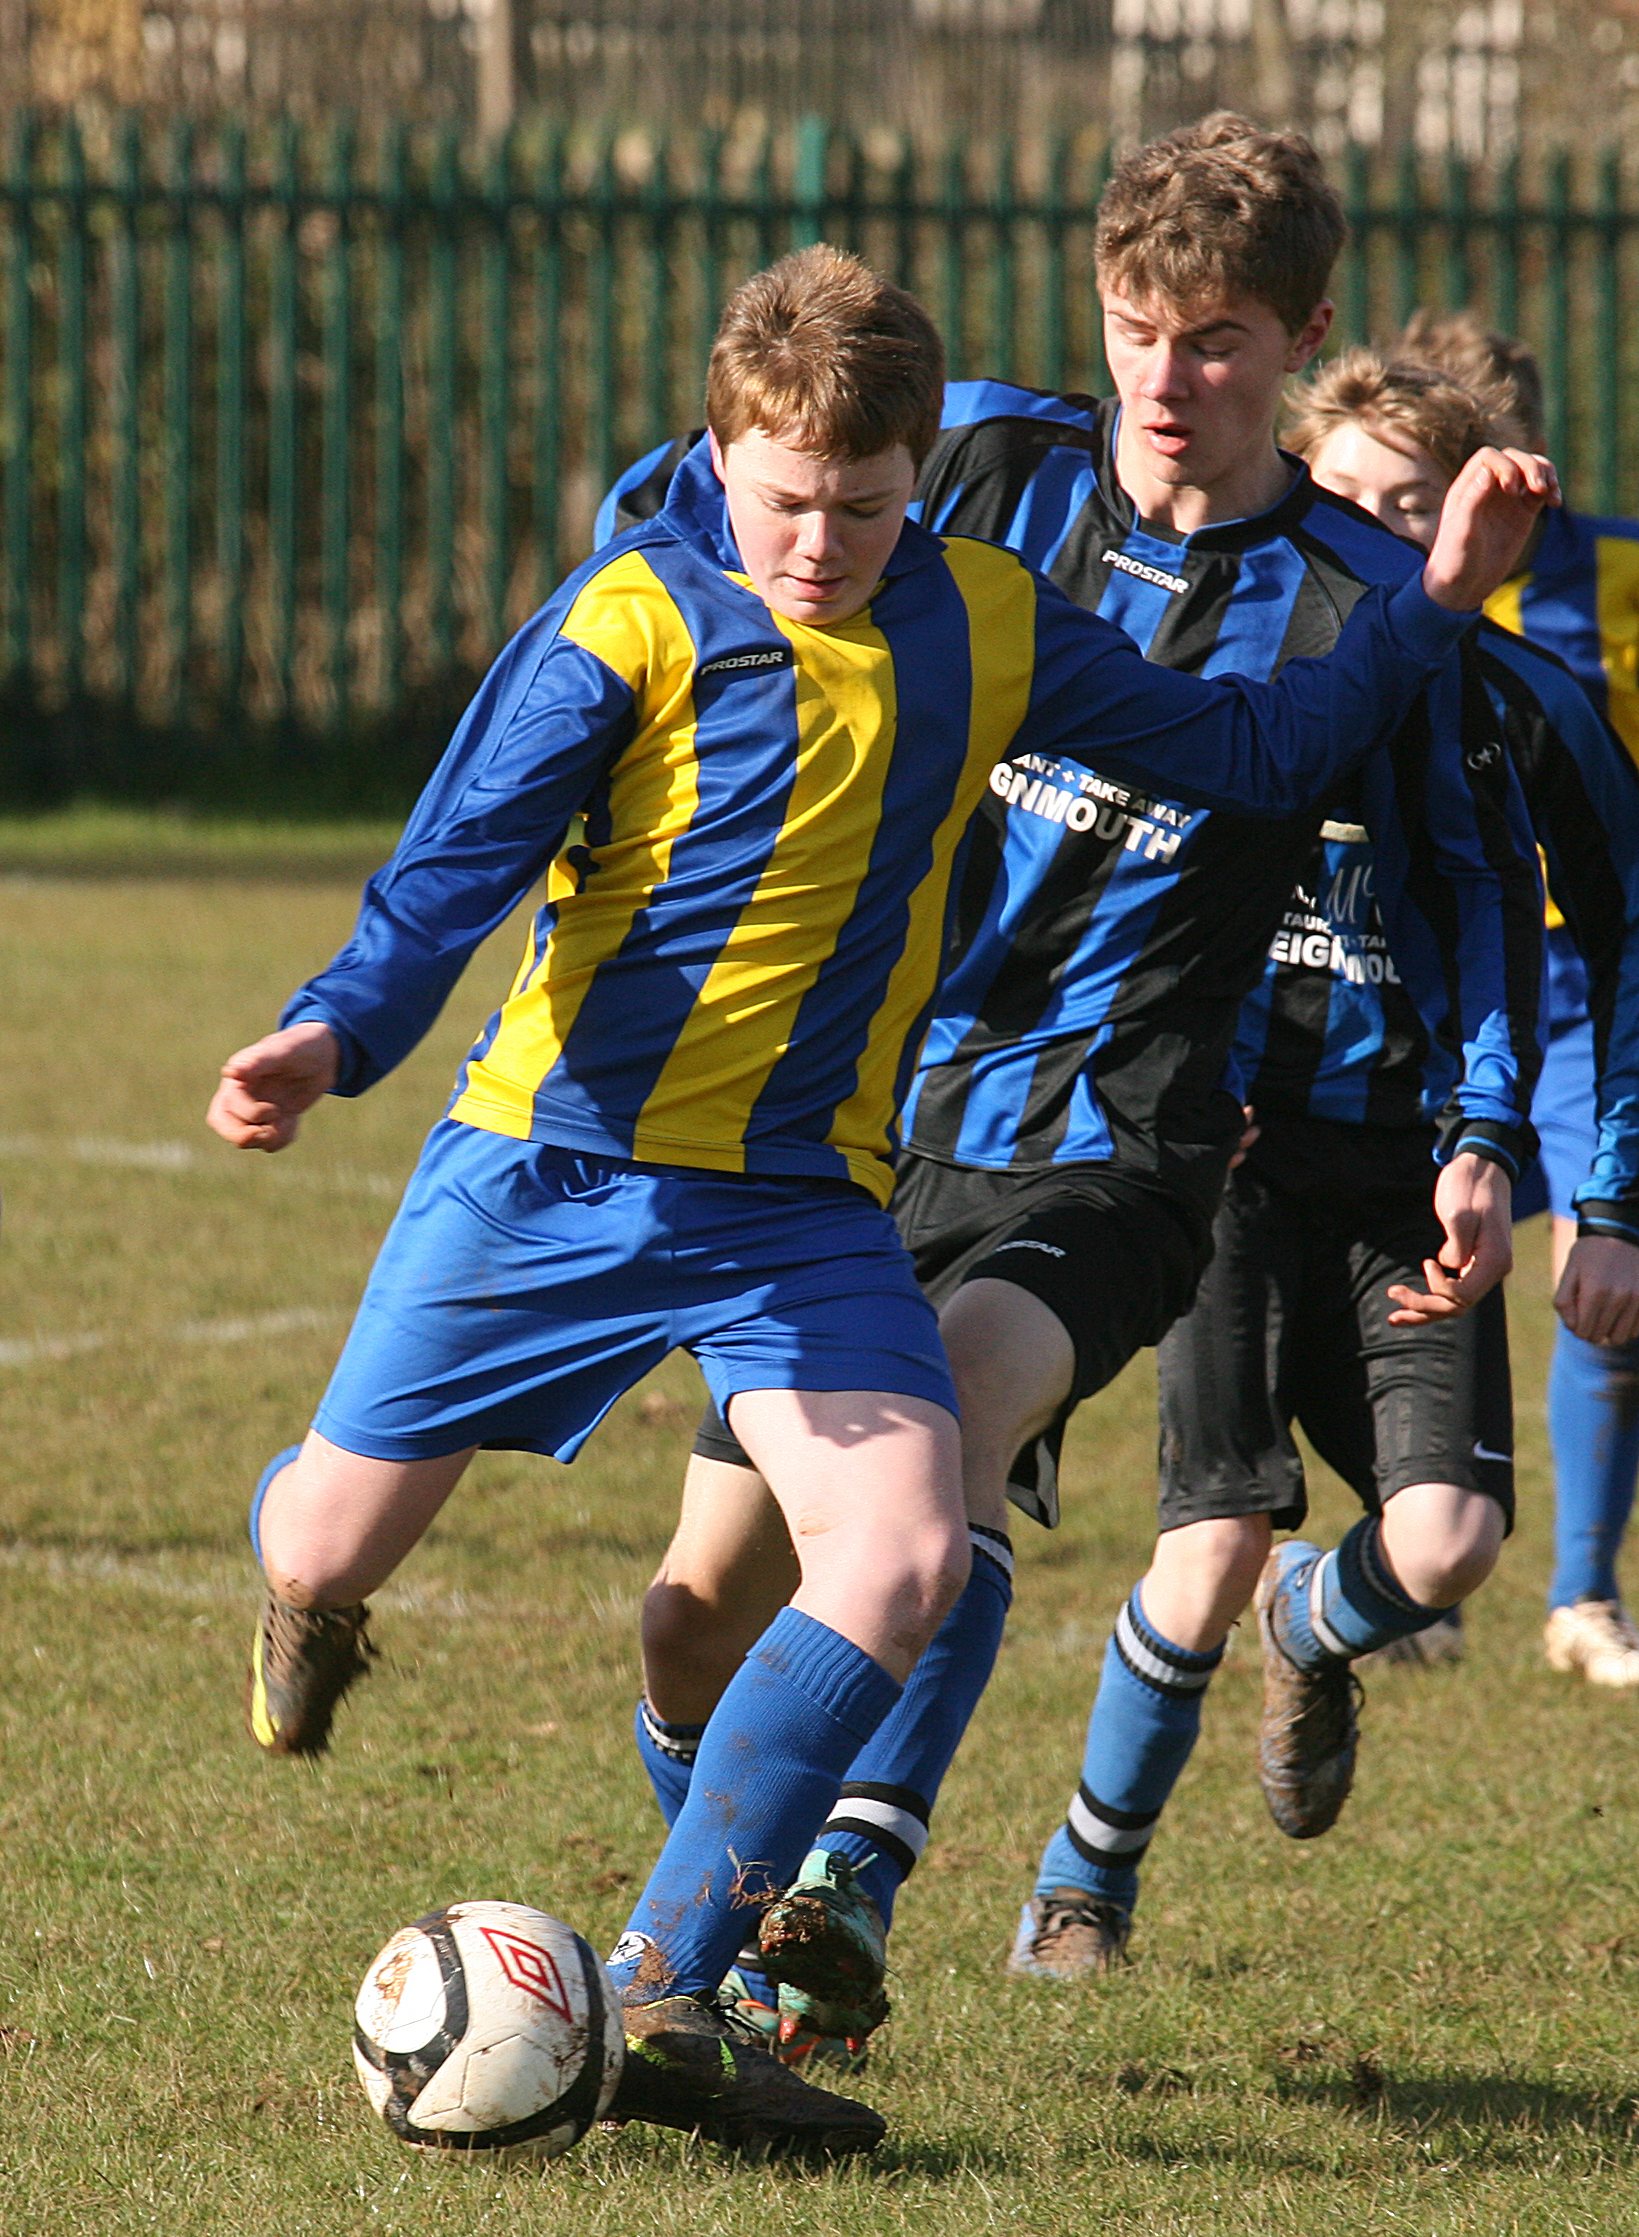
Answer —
489 2027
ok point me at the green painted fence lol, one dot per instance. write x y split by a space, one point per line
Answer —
294 430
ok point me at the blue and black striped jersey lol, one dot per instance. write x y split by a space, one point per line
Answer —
1331 981
1092 1004
735 963
1582 789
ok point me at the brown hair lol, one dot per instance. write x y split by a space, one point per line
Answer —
821 352
1221 209
1419 403
1488 363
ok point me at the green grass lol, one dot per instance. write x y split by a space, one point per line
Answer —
1424 2023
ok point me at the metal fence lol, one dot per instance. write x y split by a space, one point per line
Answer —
294 431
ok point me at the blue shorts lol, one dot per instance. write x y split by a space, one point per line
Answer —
1563 1108
521 1288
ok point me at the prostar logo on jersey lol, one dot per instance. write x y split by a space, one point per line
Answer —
1082 802
740 663
1145 573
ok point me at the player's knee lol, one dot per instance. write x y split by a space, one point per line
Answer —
687 1639
932 1571
1443 1542
1455 1571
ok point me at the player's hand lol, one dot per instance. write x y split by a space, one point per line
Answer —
266 1088
1473 1200
1249 1134
1598 1293
1489 511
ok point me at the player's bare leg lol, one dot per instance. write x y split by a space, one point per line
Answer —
330 1528
727 1572
1202 1576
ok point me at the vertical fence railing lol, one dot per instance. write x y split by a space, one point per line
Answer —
295 427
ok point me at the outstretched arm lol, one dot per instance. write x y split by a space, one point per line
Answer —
1276 748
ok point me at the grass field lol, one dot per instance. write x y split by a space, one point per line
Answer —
1426 2022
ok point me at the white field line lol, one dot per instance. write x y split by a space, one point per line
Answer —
32 1351
185 1157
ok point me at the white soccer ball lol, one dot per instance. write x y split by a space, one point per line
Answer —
489 2027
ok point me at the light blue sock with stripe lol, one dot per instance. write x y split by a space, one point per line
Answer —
880 1823
793 1717
1145 1721
275 1467
1330 1607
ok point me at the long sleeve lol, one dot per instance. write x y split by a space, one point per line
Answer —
1460 900
1226 741
548 718
1583 794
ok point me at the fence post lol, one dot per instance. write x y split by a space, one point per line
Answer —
71 423
1407 223
1607 355
600 319
335 506
1052 347
19 477
1357 317
1556 351
1003 296
389 509
657 321
230 416
125 474
1457 221
808 181
441 346
178 385
1507 237
281 410
548 372
495 388
955 203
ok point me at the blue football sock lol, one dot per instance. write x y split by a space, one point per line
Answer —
1333 1606
880 1823
1593 1422
794 1716
276 1466
1146 1718
667 1752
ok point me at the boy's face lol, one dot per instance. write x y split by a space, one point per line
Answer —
1391 476
1200 388
814 533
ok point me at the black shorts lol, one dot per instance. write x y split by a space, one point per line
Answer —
1112 1255
1291 1323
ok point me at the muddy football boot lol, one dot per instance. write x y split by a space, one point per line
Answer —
1067 1934
1311 1724
694 2066
824 1946
302 1660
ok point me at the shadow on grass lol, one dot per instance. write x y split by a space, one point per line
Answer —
1471 2109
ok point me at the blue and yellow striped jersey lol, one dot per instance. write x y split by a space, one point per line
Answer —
1579 599
738 951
